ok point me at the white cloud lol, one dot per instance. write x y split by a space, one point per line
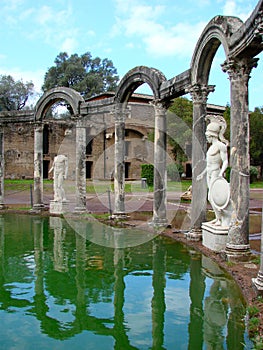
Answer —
237 8
145 22
229 8
11 5
37 76
68 45
49 24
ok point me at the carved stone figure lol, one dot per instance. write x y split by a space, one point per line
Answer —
60 167
217 162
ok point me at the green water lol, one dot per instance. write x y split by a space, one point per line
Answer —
59 290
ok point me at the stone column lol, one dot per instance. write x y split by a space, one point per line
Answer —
160 173
80 168
2 167
199 94
238 235
38 167
119 163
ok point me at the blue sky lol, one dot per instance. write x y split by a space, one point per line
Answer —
154 33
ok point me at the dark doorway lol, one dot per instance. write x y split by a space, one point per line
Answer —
127 170
45 168
89 169
46 139
188 170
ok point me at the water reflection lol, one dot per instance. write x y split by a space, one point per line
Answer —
59 290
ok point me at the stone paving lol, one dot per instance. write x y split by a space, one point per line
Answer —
139 201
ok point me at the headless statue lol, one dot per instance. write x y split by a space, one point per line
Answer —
60 167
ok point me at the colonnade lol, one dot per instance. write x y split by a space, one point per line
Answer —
241 43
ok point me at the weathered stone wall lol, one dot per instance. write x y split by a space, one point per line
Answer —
19 146
19 142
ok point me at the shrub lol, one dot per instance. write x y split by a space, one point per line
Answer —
174 171
253 172
147 172
227 173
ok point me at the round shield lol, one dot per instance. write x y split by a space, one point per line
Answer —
219 193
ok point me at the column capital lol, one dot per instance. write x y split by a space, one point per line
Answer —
199 93
160 106
238 69
120 112
38 126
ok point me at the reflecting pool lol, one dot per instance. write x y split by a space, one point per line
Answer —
59 290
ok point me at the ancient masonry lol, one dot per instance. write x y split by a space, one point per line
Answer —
242 42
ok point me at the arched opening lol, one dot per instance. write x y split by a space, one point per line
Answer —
59 105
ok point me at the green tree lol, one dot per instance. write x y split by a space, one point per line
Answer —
86 75
256 138
227 119
179 125
14 94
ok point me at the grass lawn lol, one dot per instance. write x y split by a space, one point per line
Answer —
104 185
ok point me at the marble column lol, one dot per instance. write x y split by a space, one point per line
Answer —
2 167
38 167
80 168
199 94
238 235
119 161
160 173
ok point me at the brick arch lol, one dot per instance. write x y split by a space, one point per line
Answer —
56 94
217 32
136 77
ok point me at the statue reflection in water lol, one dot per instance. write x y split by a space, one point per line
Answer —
80 286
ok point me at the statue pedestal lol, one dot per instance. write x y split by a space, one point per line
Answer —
58 207
214 237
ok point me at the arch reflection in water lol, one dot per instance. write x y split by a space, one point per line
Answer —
59 290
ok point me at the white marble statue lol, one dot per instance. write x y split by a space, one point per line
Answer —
217 162
60 168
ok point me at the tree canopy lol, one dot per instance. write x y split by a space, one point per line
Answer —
89 76
14 94
256 137
180 127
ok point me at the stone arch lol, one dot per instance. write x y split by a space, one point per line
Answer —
53 95
136 77
217 32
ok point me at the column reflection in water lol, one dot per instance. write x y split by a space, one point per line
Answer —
158 299
196 293
2 254
224 311
84 295
121 338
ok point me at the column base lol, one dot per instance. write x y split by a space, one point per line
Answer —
119 216
58 207
160 222
238 252
37 208
258 282
194 235
80 210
